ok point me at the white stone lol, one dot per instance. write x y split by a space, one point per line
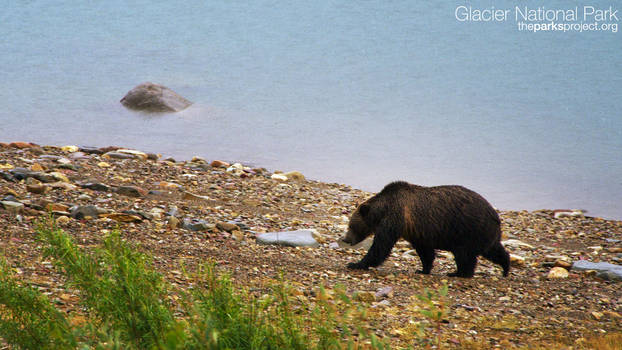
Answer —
279 177
515 243
298 238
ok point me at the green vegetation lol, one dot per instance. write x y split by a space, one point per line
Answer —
434 309
128 305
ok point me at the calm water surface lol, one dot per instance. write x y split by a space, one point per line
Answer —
352 92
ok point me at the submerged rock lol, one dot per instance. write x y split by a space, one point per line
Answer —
150 97
298 238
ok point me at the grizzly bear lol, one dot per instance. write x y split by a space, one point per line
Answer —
451 218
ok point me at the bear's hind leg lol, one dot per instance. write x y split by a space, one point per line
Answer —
465 262
498 255
426 255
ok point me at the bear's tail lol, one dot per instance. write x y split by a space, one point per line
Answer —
498 255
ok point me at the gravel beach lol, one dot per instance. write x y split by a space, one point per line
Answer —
187 212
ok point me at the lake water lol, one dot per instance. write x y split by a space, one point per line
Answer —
360 93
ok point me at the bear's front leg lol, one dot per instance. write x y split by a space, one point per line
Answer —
357 266
378 252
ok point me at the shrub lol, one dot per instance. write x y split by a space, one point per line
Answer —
127 307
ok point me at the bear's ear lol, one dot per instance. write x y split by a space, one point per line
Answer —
364 209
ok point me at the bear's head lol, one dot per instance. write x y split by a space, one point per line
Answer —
358 228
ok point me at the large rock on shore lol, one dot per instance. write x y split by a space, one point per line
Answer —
150 97
604 270
298 238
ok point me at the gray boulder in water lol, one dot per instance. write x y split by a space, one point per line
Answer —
150 97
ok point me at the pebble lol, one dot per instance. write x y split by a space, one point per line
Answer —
90 150
64 185
220 164
134 153
59 176
62 220
96 186
517 260
122 217
118 155
382 303
70 149
172 222
235 167
131 191
225 226
169 185
237 235
555 258
566 213
56 207
104 165
563 263
557 272
515 243
79 155
333 245
364 296
10 197
12 207
196 225
279 177
156 213
193 197
37 189
384 292
298 238
173 211
294 175
86 211
20 144
37 167
597 315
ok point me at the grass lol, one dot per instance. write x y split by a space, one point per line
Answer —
127 306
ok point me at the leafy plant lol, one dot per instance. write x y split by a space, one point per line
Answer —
434 308
127 307
117 285
27 318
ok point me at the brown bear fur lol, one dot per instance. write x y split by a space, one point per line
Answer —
451 218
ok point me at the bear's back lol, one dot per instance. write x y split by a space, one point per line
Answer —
445 201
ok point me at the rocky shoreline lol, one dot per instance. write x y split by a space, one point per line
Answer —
186 212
